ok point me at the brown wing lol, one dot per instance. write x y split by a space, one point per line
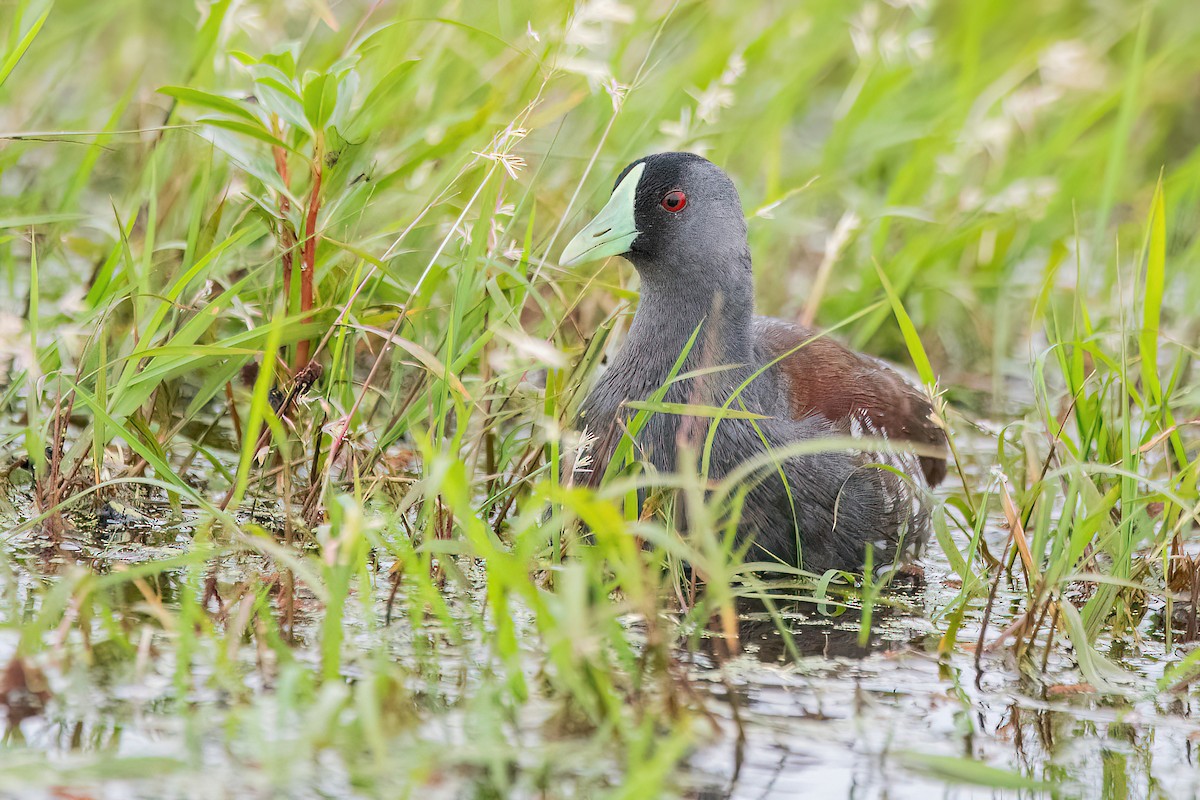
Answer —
825 377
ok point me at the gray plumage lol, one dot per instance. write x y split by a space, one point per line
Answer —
695 271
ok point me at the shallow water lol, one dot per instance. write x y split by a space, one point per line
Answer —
847 720
843 721
853 720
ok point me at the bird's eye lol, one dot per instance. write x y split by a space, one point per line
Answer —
674 200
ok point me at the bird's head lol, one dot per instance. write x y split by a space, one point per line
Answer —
677 217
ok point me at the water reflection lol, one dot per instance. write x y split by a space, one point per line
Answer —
831 715
809 633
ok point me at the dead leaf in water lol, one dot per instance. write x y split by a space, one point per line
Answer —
1069 689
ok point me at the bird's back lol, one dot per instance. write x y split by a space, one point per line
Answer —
856 393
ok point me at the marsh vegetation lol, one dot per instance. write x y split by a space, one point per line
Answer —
287 362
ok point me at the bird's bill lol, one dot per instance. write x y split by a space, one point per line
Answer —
612 231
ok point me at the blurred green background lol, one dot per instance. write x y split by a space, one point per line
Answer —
962 146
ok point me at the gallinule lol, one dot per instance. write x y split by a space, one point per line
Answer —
677 217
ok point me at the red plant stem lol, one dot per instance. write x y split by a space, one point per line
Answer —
308 260
286 240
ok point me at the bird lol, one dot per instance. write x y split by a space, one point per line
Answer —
678 218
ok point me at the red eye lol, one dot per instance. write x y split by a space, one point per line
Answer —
674 200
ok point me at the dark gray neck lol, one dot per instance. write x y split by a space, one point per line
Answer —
670 312
673 305
721 305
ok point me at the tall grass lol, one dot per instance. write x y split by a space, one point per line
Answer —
280 292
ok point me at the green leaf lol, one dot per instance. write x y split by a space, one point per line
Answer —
151 454
17 53
242 57
253 131
1097 670
320 96
284 61
28 220
1152 297
214 102
1181 672
915 349
689 410
953 769
280 86
290 109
